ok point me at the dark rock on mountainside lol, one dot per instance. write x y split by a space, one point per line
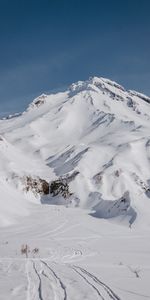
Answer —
36 185
60 187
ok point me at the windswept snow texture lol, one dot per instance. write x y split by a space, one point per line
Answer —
95 244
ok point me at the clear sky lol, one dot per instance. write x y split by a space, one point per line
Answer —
47 44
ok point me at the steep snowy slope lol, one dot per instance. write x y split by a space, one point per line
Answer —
98 129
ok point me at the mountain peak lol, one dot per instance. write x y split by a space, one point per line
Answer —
94 83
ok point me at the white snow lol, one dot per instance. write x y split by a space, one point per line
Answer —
95 244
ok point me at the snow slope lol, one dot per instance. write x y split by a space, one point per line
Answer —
95 246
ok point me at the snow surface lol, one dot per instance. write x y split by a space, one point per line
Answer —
95 244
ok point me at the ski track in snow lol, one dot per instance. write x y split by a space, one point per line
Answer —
59 274
47 286
109 291
90 284
44 270
63 287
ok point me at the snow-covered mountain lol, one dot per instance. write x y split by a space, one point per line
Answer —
97 129
92 144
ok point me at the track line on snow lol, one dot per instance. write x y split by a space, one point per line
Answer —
66 230
108 290
88 282
49 280
56 230
40 282
57 279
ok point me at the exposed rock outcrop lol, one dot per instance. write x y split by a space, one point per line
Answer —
36 185
60 187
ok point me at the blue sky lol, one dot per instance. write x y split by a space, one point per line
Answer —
45 45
